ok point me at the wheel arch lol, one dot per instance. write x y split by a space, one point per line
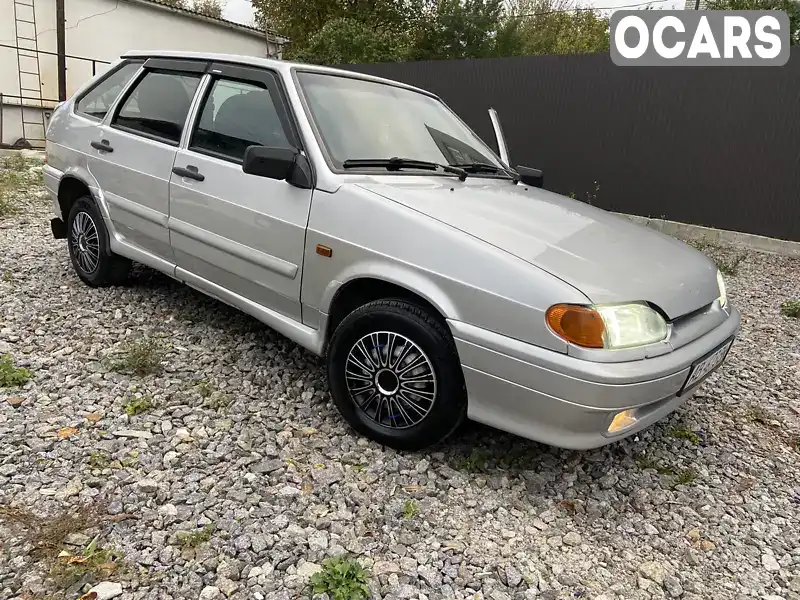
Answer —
356 291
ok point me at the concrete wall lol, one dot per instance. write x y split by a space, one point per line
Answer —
102 30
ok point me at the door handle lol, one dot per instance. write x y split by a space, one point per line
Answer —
190 171
102 145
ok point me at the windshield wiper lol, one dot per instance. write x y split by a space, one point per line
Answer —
481 167
396 163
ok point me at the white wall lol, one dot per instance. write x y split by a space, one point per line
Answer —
103 30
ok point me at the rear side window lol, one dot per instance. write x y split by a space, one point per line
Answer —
236 115
96 102
158 104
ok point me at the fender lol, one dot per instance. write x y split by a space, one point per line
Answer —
391 272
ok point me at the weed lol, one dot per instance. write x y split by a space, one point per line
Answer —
683 433
16 175
8 276
217 401
791 308
131 460
341 578
645 462
11 375
476 462
141 357
138 404
410 508
729 266
192 539
205 389
684 477
93 564
99 460
47 534
16 163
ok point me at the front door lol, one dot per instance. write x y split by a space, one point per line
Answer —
133 155
241 232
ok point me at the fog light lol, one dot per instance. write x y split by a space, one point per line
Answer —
622 420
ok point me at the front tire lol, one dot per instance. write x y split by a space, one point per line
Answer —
89 250
395 375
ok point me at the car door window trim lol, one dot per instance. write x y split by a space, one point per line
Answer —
133 85
99 82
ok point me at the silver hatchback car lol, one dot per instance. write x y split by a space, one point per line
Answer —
363 219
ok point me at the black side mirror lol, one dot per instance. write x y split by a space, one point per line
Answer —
278 163
530 176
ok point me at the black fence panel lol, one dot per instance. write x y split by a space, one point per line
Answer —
711 146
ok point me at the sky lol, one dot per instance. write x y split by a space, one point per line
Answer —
241 11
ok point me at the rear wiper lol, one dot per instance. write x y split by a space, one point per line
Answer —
480 167
396 163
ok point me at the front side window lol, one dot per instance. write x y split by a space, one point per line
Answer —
357 119
158 104
96 102
236 115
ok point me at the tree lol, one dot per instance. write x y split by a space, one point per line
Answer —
792 8
558 27
209 8
343 41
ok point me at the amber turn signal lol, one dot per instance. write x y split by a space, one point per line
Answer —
579 325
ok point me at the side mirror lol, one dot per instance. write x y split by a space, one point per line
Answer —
278 163
530 176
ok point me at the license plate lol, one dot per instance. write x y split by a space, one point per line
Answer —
704 367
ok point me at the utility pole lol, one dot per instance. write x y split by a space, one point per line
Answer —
61 51
696 4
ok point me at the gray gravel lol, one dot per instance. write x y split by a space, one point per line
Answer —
266 460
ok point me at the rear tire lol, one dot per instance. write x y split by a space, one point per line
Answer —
395 375
87 238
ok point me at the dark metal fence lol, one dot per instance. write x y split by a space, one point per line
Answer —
706 145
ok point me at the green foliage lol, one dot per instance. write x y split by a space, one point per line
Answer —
791 308
141 357
729 265
410 508
352 31
346 40
476 462
192 539
138 404
93 564
342 578
209 8
17 175
99 460
11 376
682 433
792 8
684 477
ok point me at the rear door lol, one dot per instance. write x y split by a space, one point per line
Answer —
238 231
132 156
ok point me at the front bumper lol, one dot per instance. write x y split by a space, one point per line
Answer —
568 402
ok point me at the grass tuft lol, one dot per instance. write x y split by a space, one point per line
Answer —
791 308
17 175
410 509
341 578
140 357
193 539
91 565
99 460
11 376
683 433
729 266
476 462
138 405
684 477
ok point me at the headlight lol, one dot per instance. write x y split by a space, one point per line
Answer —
723 296
611 326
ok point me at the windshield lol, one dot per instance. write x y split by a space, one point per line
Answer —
363 119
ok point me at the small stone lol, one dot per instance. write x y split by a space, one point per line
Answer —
653 571
106 590
555 542
229 570
255 572
650 529
144 435
707 545
770 563
318 541
183 435
499 595
384 567
573 538
673 586
430 575
422 466
210 592
15 401
168 510
226 586
513 576
147 486
404 592
307 569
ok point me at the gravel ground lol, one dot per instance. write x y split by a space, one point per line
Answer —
242 443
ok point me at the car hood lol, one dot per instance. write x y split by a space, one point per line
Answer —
607 257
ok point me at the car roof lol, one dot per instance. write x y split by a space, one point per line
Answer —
278 65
